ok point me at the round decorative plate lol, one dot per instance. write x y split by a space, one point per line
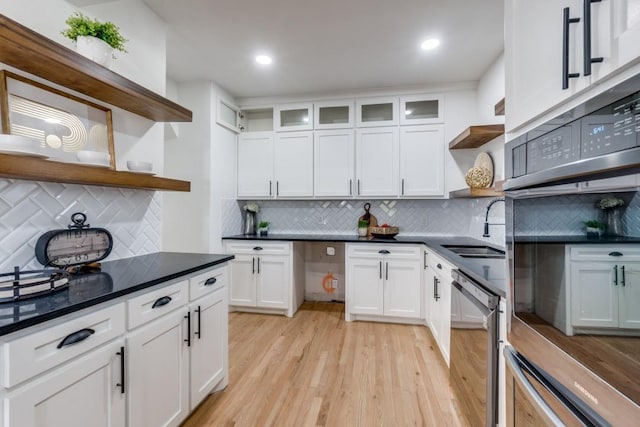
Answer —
484 160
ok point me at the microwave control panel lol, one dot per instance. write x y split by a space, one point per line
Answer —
555 148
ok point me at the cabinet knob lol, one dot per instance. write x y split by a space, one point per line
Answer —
439 266
615 253
384 252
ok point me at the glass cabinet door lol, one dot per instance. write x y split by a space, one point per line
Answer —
228 115
377 112
421 110
293 117
333 115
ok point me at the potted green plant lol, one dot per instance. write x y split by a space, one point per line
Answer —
594 228
363 228
94 39
263 228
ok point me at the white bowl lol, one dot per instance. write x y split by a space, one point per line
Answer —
137 166
18 142
94 157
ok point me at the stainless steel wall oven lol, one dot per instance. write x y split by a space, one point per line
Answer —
575 298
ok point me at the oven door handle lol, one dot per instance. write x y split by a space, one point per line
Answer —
539 404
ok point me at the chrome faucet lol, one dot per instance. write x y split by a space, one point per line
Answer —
486 217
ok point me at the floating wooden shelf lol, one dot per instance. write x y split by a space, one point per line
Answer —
495 191
29 51
476 136
34 169
499 108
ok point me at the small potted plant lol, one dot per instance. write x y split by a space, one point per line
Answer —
363 228
263 228
594 228
94 39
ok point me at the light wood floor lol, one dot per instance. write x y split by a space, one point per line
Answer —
317 370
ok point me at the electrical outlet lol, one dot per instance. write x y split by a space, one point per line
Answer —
331 251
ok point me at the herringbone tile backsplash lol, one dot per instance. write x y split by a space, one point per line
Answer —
460 217
28 209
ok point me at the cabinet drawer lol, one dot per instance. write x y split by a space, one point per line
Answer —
437 263
605 253
395 251
37 352
258 247
141 308
207 282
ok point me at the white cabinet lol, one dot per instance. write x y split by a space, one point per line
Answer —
333 115
255 165
262 277
293 117
604 284
383 281
85 392
228 115
377 152
534 57
535 52
439 308
293 164
421 161
158 372
334 163
209 354
421 109
376 112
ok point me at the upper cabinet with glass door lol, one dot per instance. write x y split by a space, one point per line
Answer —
293 117
421 109
376 112
228 115
333 115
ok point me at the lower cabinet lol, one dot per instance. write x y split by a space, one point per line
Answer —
604 287
95 369
438 289
85 392
383 281
265 277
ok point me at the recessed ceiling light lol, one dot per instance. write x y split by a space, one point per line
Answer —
264 59
430 44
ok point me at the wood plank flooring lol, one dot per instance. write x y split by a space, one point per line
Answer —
318 370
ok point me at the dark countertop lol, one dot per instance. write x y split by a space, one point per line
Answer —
491 273
117 278
577 239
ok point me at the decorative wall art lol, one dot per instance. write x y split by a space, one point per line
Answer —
69 129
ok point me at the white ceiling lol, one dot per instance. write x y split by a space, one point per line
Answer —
322 46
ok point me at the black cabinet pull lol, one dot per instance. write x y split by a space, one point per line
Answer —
351 187
358 187
188 339
257 248
253 266
270 188
386 271
623 278
75 337
566 21
380 269
122 365
615 275
161 301
588 60
199 331
425 260
436 294
615 253
258 265
439 266
384 252
277 188
210 281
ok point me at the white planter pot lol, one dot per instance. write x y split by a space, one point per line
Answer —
95 49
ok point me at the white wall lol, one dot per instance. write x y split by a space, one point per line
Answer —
491 89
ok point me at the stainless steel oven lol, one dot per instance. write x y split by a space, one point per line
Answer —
575 299
474 350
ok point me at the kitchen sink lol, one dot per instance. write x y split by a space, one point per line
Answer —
475 251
